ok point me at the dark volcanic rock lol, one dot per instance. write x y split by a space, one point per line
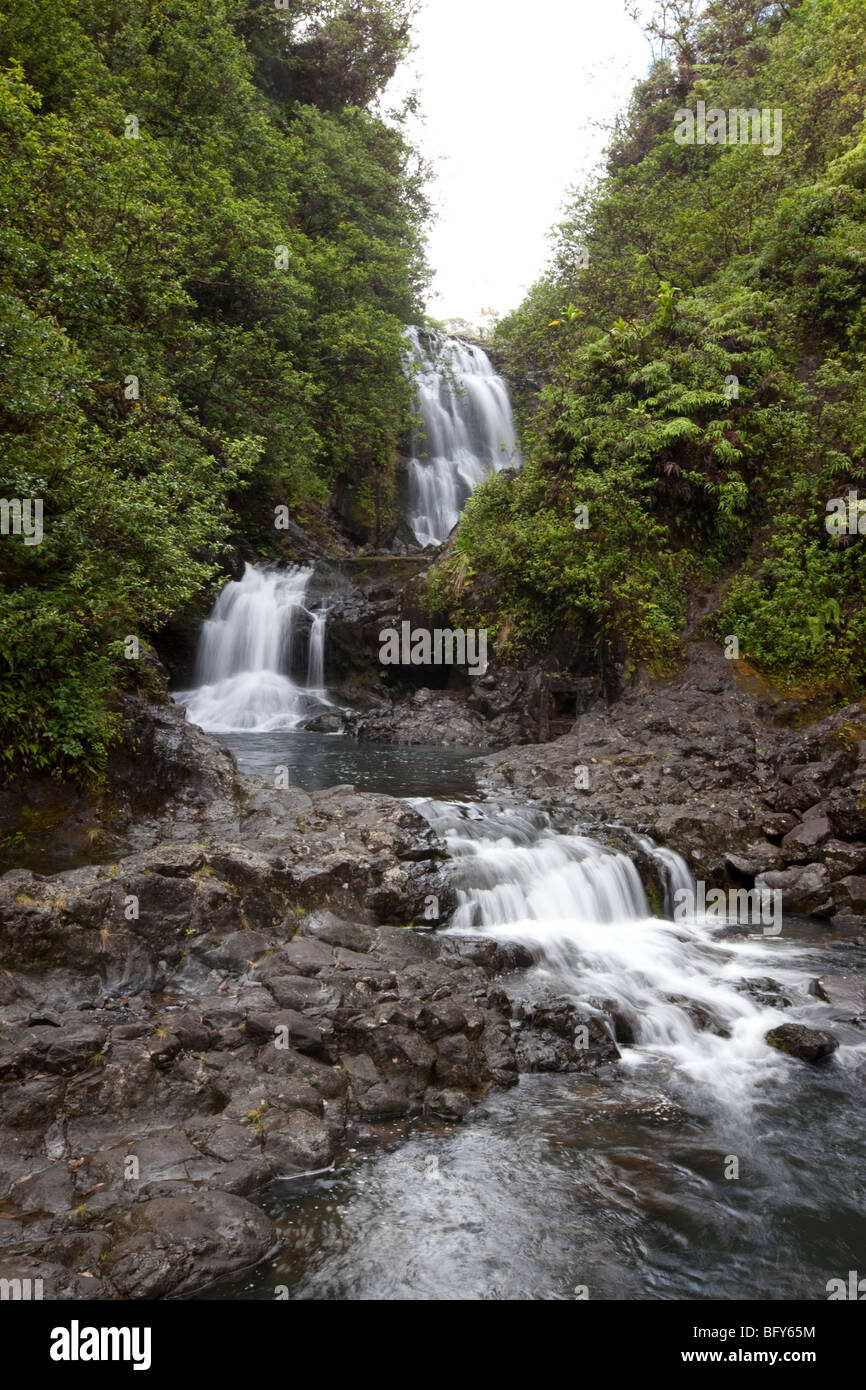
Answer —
850 894
221 1008
239 989
846 995
799 846
805 889
766 990
809 1044
558 1037
178 1245
708 764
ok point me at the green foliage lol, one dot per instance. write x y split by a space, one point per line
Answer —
704 394
169 374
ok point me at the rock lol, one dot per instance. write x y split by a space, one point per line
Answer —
325 724
286 1028
767 991
45 1016
809 1044
846 809
437 1020
192 1035
65 1050
557 1037
324 926
850 894
845 993
797 798
51 1280
179 1245
238 949
163 1053
804 889
301 994
428 717
496 957
798 847
448 1105
305 957
775 825
701 1016
842 858
295 1142
755 859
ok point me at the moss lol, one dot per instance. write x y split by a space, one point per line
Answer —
848 735
654 894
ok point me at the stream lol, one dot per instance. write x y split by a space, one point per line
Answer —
571 1187
702 1165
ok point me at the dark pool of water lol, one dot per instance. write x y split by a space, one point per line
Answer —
564 1185
622 1187
316 761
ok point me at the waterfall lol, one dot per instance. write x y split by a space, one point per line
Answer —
468 431
261 655
681 988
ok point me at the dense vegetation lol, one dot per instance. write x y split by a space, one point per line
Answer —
211 239
702 335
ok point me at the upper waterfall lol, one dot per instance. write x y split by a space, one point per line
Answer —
260 661
468 431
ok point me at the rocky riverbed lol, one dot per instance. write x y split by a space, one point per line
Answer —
234 983
237 997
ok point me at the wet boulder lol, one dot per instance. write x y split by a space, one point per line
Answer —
799 846
295 1141
177 1245
559 1037
809 1044
804 888
850 894
767 991
846 994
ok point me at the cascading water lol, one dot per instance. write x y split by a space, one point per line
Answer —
704 1165
260 662
681 987
468 431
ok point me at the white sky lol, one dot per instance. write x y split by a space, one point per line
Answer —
513 95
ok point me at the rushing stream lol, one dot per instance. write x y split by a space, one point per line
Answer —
702 1165
614 1186
619 1185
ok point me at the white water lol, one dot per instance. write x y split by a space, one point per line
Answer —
468 431
581 909
249 647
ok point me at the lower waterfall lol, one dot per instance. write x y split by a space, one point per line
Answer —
260 660
686 994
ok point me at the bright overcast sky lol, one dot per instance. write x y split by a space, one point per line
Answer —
513 93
